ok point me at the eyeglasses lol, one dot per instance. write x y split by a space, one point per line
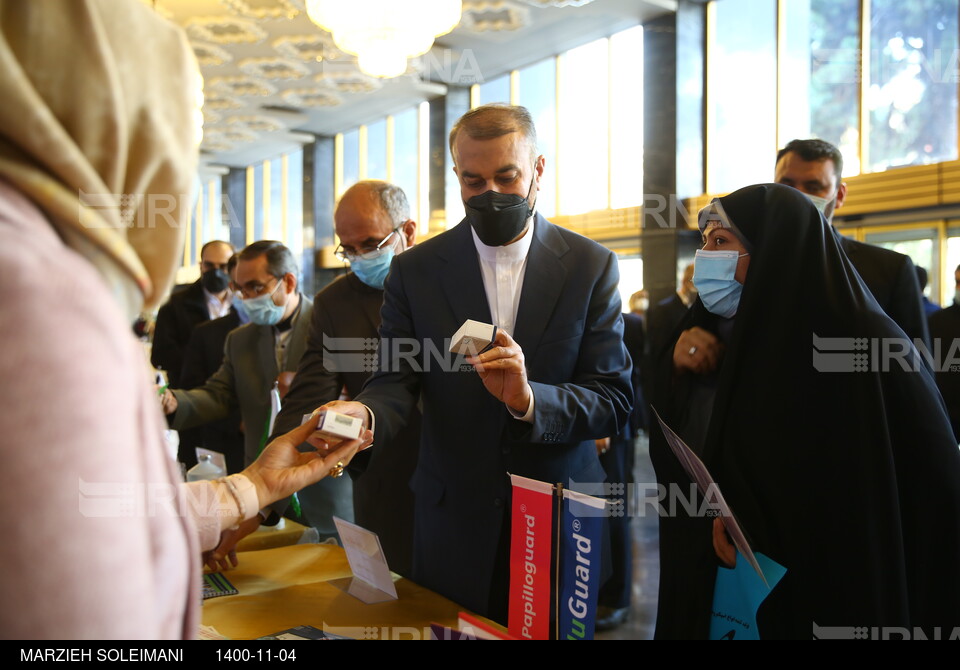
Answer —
368 254
255 290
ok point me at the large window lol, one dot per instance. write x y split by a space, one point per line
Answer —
587 105
538 93
584 151
406 152
208 220
877 78
600 122
912 95
626 118
741 95
820 82
350 160
392 149
377 150
495 90
275 201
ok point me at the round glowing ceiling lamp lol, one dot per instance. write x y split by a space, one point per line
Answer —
383 34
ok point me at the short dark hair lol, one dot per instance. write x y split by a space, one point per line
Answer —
814 150
280 260
232 263
495 120
212 242
921 276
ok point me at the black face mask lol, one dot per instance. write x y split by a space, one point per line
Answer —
215 281
498 218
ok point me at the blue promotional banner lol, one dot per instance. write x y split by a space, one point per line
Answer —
737 596
581 530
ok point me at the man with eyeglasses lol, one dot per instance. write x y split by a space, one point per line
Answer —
373 223
206 299
255 357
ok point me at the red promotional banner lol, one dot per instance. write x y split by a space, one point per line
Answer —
530 552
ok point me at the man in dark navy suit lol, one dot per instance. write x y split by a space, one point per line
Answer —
556 379
814 167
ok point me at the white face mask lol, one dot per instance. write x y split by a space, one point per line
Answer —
956 297
822 205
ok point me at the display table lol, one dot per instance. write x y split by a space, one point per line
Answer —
267 537
286 587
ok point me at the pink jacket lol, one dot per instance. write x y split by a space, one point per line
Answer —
97 539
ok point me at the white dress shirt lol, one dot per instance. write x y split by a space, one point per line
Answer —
215 308
503 269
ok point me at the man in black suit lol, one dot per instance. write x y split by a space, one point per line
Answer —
201 360
373 223
206 299
814 167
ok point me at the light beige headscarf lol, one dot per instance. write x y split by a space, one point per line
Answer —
98 100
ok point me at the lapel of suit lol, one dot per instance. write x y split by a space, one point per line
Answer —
463 281
298 336
543 282
267 351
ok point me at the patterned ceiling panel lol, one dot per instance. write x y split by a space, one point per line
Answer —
348 80
225 30
493 15
215 100
309 48
242 87
256 122
210 55
264 9
258 56
311 97
557 3
274 68
209 116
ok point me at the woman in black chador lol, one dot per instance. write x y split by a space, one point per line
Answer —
843 468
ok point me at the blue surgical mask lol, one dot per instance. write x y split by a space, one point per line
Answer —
373 271
238 305
714 276
262 310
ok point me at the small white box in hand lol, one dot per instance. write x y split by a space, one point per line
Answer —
474 337
335 427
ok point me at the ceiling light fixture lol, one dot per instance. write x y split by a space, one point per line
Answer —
383 34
